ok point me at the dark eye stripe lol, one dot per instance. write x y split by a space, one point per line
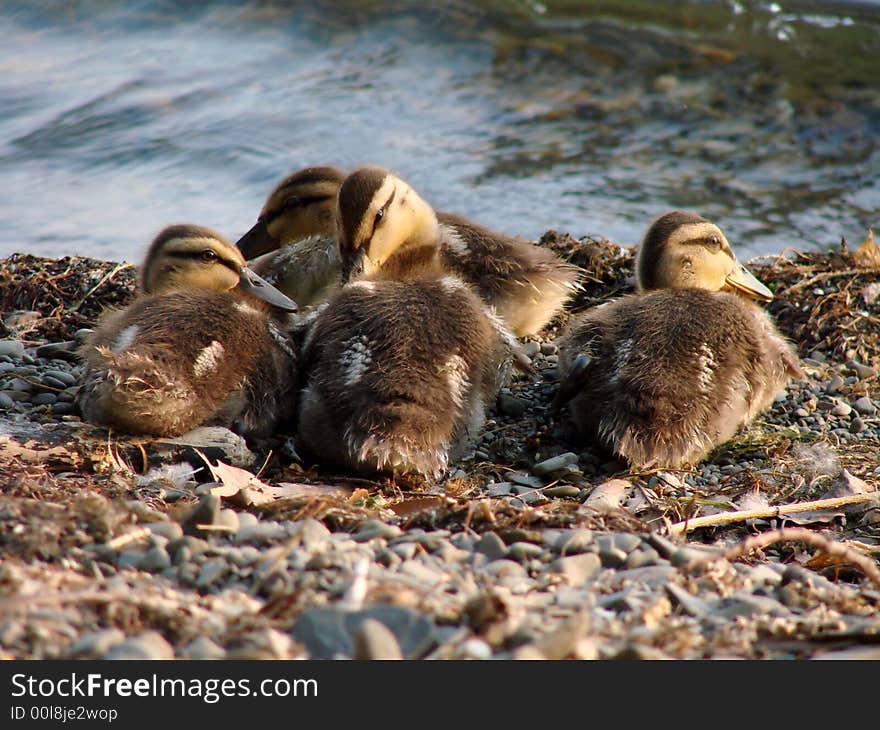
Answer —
231 265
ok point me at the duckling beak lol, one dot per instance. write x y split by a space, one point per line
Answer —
254 285
353 266
744 281
257 241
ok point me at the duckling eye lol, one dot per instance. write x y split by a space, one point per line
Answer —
715 241
208 255
380 214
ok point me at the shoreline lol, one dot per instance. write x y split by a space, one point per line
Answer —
533 547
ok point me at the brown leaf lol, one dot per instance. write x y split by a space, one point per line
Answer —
867 255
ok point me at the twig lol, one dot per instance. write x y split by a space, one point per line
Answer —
115 270
128 537
829 275
802 534
784 509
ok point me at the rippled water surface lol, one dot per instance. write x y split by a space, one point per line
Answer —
119 118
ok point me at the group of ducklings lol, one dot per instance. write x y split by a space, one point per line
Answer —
380 332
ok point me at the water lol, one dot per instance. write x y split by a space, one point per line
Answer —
117 119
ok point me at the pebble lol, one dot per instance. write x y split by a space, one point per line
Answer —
512 406
524 551
554 464
6 402
203 647
155 560
863 371
612 557
371 529
833 385
148 645
531 348
96 643
211 570
491 546
841 409
473 648
500 489
11 348
574 541
561 491
375 641
577 568
228 518
204 513
63 376
865 406
169 530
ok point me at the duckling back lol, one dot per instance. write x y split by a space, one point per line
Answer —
663 377
204 342
399 375
526 284
171 362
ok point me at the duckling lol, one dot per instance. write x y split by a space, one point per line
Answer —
203 342
665 375
293 243
527 284
403 361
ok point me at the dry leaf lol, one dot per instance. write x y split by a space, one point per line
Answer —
414 506
867 255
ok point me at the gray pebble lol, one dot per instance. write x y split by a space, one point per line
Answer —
510 405
491 546
265 531
523 551
11 348
191 546
204 513
531 348
642 558
44 399
574 541
865 405
81 335
801 413
130 558
96 643
501 489
51 382
376 528
627 541
22 386
554 464
6 402
149 645
612 557
524 480
577 568
203 648
169 530
833 385
63 376
211 570
841 409
155 560
62 409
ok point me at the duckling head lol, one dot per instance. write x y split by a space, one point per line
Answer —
185 256
301 205
383 226
684 250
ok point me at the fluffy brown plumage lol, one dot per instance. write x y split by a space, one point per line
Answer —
199 345
663 376
403 361
527 284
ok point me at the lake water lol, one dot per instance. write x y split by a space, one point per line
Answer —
119 118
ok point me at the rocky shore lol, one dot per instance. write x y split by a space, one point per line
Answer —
535 546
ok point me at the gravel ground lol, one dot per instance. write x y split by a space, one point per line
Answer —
534 547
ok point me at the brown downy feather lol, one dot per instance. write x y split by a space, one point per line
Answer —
664 376
177 359
403 362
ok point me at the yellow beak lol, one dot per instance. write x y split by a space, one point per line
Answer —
744 281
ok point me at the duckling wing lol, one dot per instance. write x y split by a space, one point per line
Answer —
309 271
673 373
527 284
